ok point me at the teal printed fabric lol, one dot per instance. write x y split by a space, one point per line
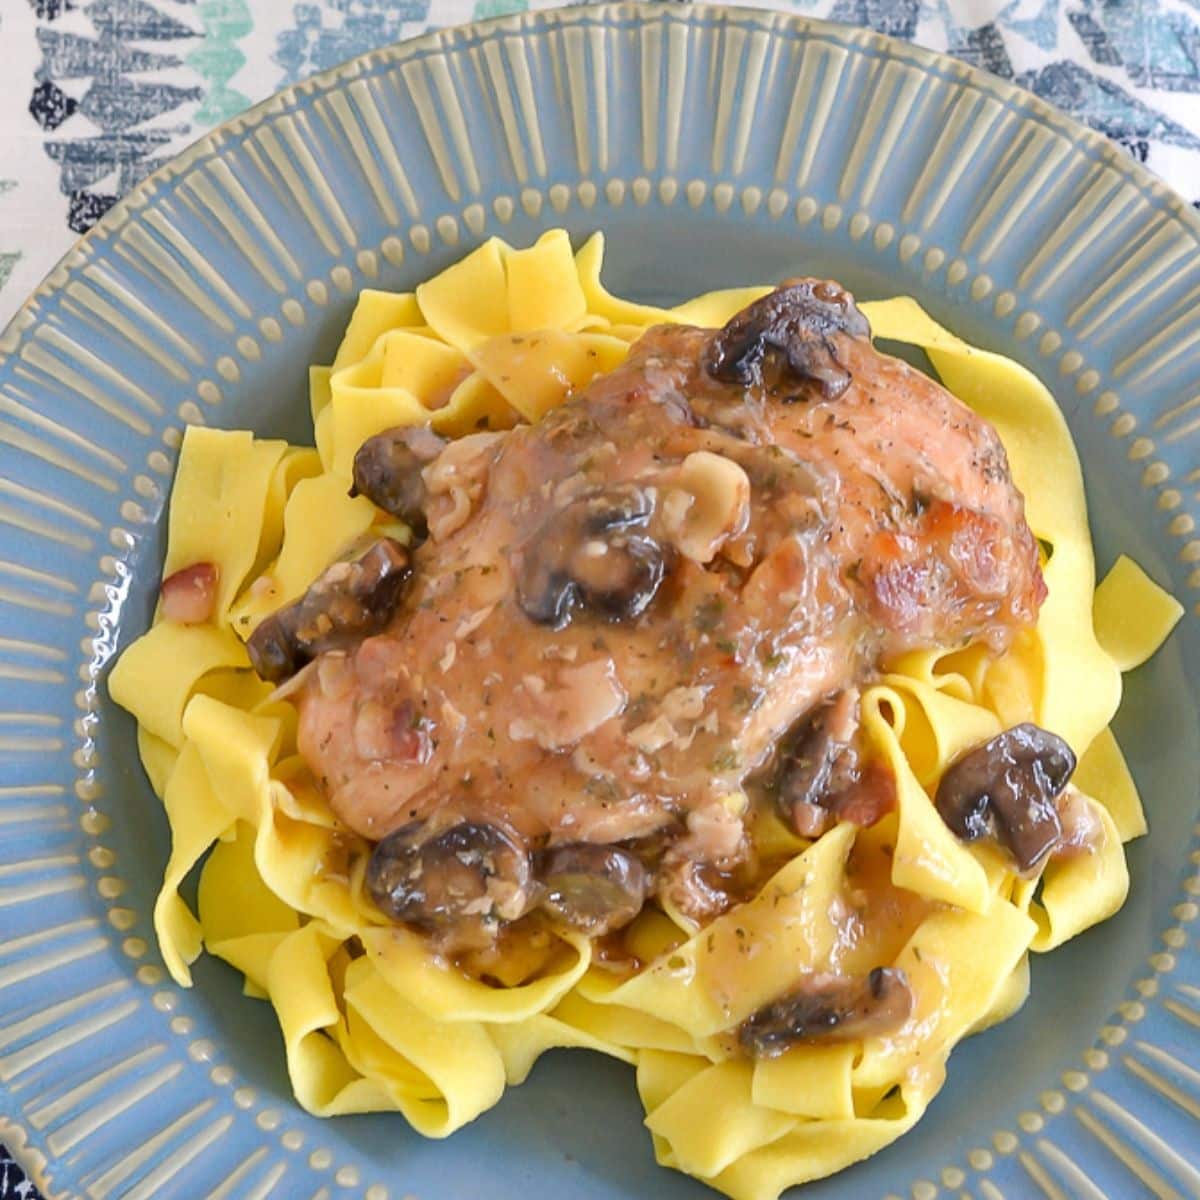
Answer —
97 93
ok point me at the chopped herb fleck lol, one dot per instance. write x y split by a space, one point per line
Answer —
708 614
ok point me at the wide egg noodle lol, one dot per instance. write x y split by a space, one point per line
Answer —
404 380
711 1121
957 964
536 372
935 724
446 994
197 818
371 1019
297 463
1133 615
812 1081
375 314
1079 891
750 954
1008 1000
1104 775
301 990
320 400
714 309
158 759
467 303
588 261
522 1043
439 1081
292 856
400 1055
620 1026
156 675
961 672
242 919
1012 683
240 488
928 858
221 488
542 286
201 808
320 521
475 404
814 1149
765 1149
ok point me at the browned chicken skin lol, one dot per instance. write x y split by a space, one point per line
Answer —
619 612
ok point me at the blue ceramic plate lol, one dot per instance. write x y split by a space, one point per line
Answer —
715 147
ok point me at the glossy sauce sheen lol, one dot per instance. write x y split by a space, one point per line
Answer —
804 538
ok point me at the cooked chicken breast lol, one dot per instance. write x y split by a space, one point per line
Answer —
618 614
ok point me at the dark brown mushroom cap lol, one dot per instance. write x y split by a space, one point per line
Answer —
817 763
837 1010
592 554
347 602
1006 790
387 470
798 322
470 873
590 887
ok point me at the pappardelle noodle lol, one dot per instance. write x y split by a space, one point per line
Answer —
374 1017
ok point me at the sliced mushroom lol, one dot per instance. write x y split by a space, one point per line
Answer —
797 321
817 764
347 602
593 554
617 577
592 888
836 1009
623 506
465 879
387 470
1006 789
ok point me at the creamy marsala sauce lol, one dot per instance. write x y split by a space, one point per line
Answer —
657 599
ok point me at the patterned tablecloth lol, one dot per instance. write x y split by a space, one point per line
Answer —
94 94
